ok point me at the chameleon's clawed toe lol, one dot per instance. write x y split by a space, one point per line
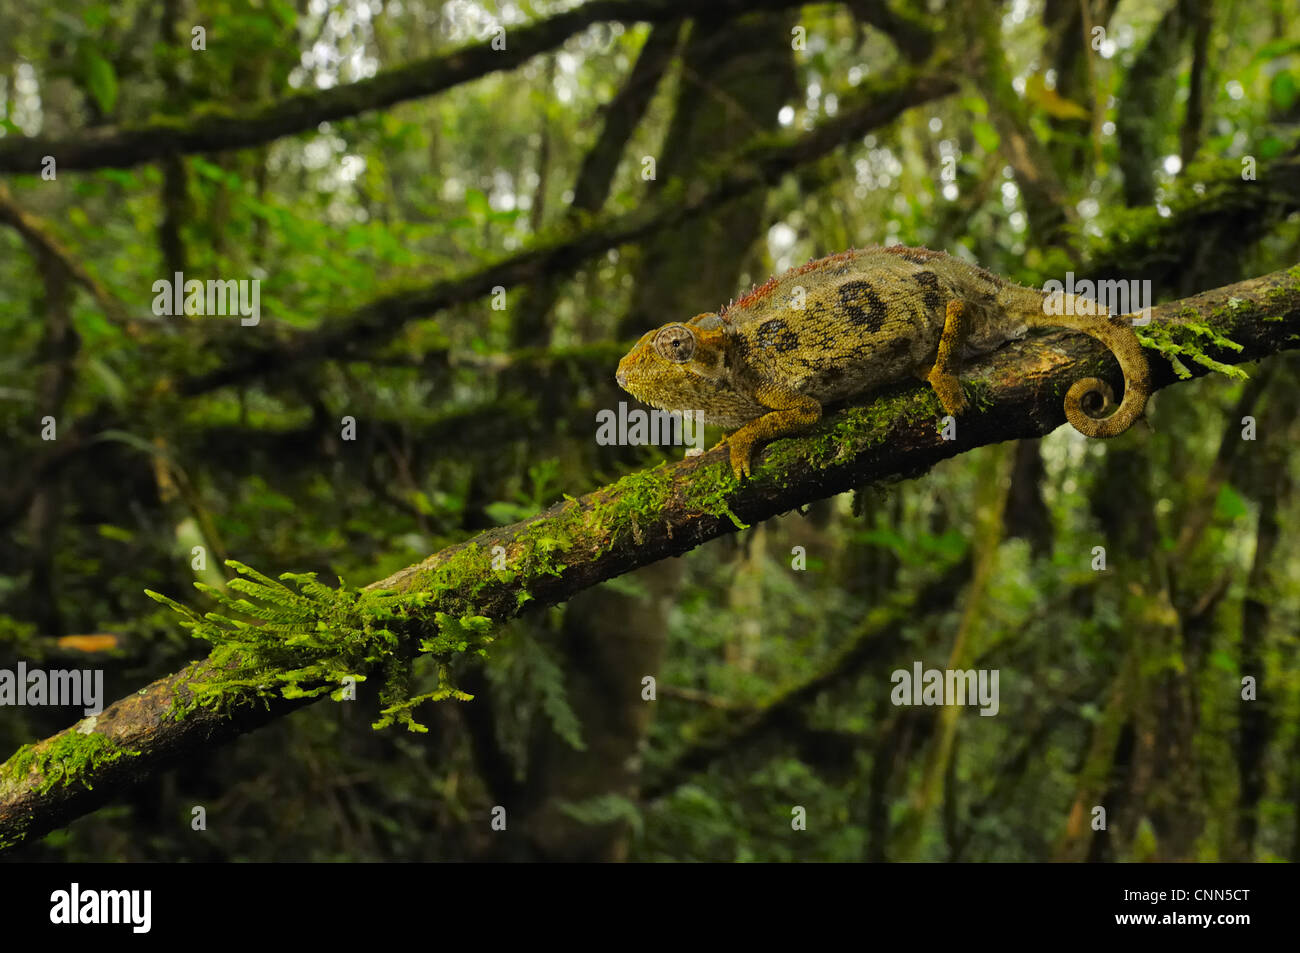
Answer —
740 454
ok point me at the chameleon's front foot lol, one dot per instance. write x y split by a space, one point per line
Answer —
740 448
791 414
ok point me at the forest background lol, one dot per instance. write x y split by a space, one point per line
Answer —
461 215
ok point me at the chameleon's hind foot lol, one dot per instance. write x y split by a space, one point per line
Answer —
948 389
942 376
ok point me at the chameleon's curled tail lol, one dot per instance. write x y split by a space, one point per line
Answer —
1117 334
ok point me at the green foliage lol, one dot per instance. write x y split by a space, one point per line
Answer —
543 485
313 640
916 549
19 638
102 81
527 681
606 809
1187 339
72 757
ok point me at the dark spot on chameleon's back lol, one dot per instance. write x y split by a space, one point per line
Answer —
930 297
776 334
865 308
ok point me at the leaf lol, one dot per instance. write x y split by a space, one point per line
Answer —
114 386
1283 90
284 11
503 512
109 531
986 135
477 204
120 176
605 809
1271 51
1271 147
132 440
209 170
1052 102
101 80
1224 660
1229 505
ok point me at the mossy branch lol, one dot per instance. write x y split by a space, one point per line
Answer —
219 128
314 640
444 605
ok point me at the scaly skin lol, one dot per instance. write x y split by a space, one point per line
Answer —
869 317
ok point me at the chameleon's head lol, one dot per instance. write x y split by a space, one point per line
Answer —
678 366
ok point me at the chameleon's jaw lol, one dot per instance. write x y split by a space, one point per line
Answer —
638 392
637 389
630 384
632 376
626 379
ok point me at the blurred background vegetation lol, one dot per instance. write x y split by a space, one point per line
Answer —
1103 137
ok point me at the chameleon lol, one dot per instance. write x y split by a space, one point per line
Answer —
852 323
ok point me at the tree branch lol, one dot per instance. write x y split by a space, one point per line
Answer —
221 128
664 512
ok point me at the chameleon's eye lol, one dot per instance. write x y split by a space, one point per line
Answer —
675 343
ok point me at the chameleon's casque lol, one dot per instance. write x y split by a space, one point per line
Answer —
855 322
